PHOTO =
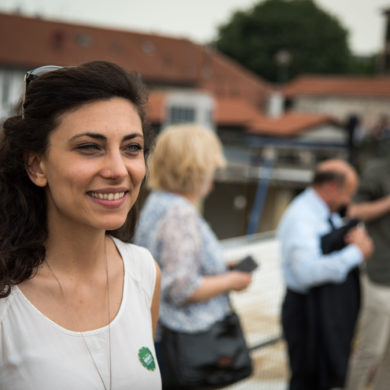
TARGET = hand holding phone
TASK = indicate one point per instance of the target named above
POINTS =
(247, 264)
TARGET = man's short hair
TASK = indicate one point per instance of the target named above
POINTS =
(327, 176)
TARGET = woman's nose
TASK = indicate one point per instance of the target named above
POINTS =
(114, 166)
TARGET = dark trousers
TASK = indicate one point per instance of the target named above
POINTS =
(298, 324)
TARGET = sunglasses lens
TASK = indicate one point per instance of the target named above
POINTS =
(33, 74)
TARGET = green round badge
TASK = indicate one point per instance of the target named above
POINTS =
(146, 358)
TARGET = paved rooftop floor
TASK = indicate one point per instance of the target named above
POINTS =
(259, 308)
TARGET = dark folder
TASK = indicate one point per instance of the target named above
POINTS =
(335, 240)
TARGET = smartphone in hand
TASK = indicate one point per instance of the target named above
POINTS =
(247, 264)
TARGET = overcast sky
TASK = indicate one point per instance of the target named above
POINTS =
(198, 19)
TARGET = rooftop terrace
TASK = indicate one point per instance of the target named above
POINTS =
(259, 308)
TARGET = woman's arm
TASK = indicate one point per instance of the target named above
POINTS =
(212, 286)
(155, 308)
(181, 253)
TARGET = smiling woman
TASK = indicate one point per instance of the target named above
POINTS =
(94, 155)
(71, 167)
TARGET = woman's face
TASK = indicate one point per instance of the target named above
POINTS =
(94, 165)
(208, 184)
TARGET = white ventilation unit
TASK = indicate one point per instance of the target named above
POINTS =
(190, 107)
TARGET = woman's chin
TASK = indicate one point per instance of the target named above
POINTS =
(114, 225)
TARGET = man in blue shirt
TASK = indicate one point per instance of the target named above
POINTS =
(305, 267)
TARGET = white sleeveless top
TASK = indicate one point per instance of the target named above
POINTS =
(36, 353)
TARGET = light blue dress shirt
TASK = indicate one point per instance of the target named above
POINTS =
(299, 232)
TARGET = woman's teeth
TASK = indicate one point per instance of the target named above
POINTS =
(108, 196)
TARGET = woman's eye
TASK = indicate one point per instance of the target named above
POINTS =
(133, 148)
(88, 148)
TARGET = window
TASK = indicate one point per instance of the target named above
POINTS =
(181, 114)
(84, 40)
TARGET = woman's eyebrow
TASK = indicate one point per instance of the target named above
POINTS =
(103, 137)
(88, 134)
(134, 135)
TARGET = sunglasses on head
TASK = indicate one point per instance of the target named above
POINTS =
(33, 74)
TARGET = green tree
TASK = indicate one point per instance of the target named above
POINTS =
(364, 65)
(279, 39)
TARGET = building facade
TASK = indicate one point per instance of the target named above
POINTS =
(270, 152)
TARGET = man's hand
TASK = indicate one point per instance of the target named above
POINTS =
(362, 240)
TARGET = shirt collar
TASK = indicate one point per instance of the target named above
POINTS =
(321, 207)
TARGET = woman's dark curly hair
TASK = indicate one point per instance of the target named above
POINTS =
(23, 221)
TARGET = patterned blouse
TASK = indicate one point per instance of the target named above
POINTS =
(186, 249)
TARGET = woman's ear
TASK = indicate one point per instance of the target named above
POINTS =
(35, 169)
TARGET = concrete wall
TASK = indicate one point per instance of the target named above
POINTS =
(228, 207)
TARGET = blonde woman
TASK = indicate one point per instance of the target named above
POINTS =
(195, 279)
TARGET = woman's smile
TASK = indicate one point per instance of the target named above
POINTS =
(111, 199)
(110, 196)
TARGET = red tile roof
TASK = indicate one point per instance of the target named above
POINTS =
(238, 112)
(235, 112)
(28, 42)
(240, 95)
(229, 111)
(290, 124)
(378, 86)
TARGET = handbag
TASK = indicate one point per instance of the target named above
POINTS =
(218, 356)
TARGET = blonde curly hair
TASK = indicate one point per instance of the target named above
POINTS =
(184, 158)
